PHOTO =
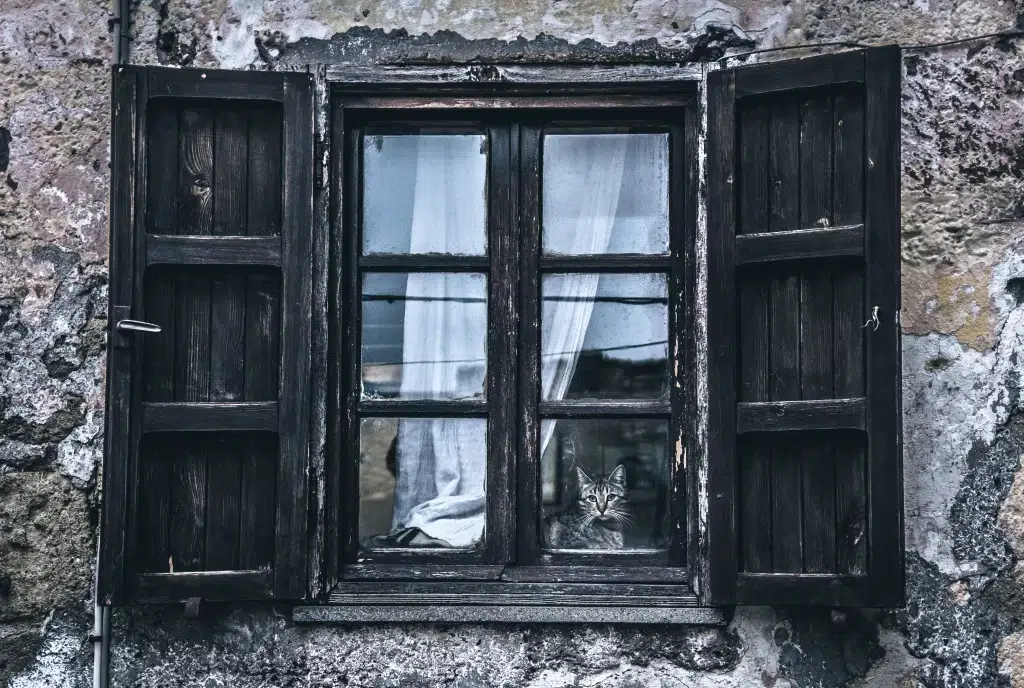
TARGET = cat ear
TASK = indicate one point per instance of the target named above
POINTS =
(618, 475)
(584, 479)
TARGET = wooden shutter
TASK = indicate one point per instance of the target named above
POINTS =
(205, 475)
(804, 461)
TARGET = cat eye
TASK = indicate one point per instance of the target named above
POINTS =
(611, 498)
(592, 498)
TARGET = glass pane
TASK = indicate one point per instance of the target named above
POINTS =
(421, 482)
(604, 483)
(605, 193)
(425, 194)
(424, 335)
(604, 336)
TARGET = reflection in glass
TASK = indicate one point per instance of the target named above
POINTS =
(424, 335)
(424, 194)
(604, 483)
(605, 193)
(421, 482)
(604, 336)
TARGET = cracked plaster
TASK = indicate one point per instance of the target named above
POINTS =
(963, 206)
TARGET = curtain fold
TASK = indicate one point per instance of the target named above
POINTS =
(593, 166)
(441, 463)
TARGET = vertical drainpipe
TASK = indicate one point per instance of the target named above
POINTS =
(122, 20)
(121, 23)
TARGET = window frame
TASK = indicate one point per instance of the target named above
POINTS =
(642, 583)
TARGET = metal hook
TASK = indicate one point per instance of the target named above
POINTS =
(874, 319)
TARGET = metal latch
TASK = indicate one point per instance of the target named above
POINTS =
(137, 326)
(125, 326)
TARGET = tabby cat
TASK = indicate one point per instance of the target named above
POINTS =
(596, 519)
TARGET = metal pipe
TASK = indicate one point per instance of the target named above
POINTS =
(122, 19)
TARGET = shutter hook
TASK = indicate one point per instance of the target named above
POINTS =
(137, 326)
(874, 319)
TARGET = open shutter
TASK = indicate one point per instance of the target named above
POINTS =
(205, 487)
(804, 460)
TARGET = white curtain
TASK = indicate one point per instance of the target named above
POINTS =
(441, 464)
(578, 218)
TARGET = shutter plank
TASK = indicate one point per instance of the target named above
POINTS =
(755, 489)
(784, 174)
(264, 172)
(195, 165)
(192, 383)
(816, 333)
(227, 362)
(756, 460)
(259, 463)
(851, 460)
(156, 460)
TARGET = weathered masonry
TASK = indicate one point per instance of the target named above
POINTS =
(495, 352)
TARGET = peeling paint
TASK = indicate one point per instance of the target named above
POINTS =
(962, 315)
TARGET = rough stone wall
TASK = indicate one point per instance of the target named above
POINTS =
(963, 320)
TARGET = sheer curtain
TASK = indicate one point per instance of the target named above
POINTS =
(591, 168)
(441, 463)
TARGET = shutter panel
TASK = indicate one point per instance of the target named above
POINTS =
(205, 474)
(805, 456)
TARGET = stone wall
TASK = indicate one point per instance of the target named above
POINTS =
(963, 319)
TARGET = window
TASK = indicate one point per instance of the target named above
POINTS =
(517, 281)
(430, 345)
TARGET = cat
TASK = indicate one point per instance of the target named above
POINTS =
(596, 518)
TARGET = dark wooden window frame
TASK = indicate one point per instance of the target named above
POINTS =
(510, 572)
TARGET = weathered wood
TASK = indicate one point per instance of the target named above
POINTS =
(214, 84)
(850, 316)
(422, 572)
(882, 225)
(118, 455)
(800, 244)
(212, 586)
(537, 78)
(227, 362)
(450, 102)
(423, 408)
(259, 462)
(716, 573)
(789, 416)
(788, 75)
(213, 250)
(816, 335)
(424, 263)
(264, 172)
(806, 589)
(755, 460)
(755, 492)
(618, 408)
(296, 291)
(500, 592)
(209, 416)
(502, 349)
(595, 574)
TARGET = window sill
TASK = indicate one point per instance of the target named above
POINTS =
(503, 613)
(457, 602)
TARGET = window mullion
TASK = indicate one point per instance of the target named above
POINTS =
(528, 465)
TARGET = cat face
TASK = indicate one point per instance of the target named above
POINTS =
(604, 498)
